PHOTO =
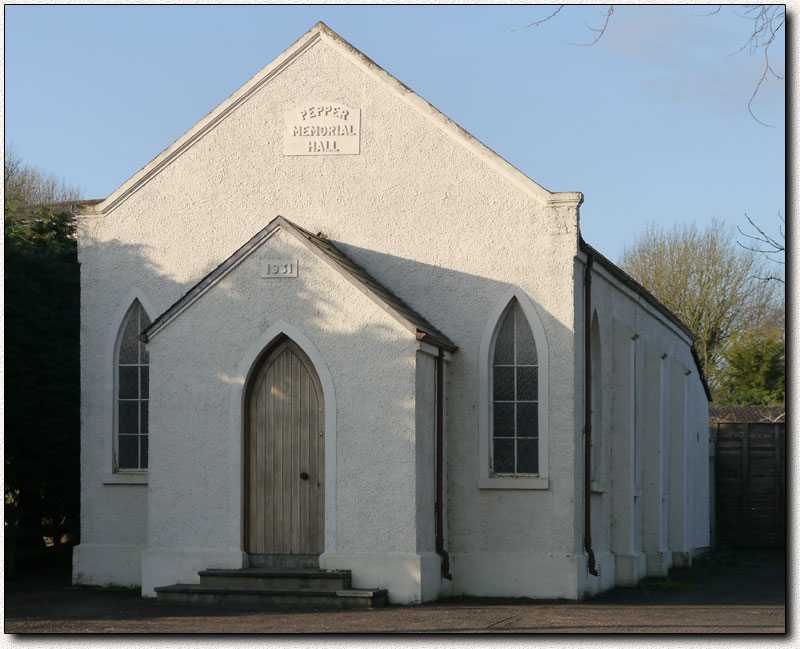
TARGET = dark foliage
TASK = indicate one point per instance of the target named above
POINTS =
(42, 378)
(755, 369)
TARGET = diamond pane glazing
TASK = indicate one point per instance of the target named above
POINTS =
(503, 384)
(128, 451)
(503, 420)
(504, 343)
(526, 348)
(129, 345)
(144, 420)
(527, 383)
(128, 423)
(129, 382)
(145, 377)
(145, 356)
(504, 456)
(144, 447)
(527, 419)
(527, 456)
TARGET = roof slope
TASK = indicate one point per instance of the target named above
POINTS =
(651, 299)
(325, 250)
(318, 32)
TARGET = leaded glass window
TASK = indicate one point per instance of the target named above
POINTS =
(133, 394)
(515, 396)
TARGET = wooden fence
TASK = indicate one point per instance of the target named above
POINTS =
(749, 485)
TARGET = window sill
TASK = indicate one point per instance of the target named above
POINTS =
(125, 478)
(500, 482)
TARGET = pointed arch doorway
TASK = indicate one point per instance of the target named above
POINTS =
(284, 458)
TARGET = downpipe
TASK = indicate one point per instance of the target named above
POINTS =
(439, 505)
(587, 415)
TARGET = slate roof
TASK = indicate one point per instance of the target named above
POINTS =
(747, 414)
(323, 248)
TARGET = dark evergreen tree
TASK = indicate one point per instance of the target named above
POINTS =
(755, 370)
(42, 376)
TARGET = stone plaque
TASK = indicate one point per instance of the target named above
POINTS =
(322, 128)
(277, 268)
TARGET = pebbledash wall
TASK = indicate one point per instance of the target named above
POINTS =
(456, 233)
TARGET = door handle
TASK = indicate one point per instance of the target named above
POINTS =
(303, 475)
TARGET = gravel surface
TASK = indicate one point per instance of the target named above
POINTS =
(723, 593)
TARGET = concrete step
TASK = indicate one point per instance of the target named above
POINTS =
(276, 578)
(283, 560)
(263, 597)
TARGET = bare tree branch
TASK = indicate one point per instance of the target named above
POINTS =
(539, 22)
(709, 283)
(767, 278)
(30, 185)
(13, 162)
(599, 31)
(768, 21)
(710, 13)
(775, 245)
(765, 245)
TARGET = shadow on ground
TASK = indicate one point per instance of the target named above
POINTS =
(720, 578)
(728, 592)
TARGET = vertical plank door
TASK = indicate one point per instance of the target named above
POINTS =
(285, 464)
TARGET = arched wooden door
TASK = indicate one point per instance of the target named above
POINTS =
(285, 455)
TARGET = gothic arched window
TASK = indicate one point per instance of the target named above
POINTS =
(132, 393)
(515, 397)
(513, 380)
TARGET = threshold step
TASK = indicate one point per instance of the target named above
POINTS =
(298, 598)
(276, 578)
(274, 572)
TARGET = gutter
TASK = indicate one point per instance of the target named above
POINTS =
(587, 416)
(439, 505)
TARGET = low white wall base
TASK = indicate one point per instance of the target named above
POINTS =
(629, 568)
(604, 563)
(658, 563)
(107, 565)
(516, 574)
(410, 578)
(167, 566)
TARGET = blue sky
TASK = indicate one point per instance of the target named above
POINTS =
(650, 123)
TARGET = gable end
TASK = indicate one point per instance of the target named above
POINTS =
(356, 275)
(249, 89)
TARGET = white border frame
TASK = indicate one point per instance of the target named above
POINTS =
(236, 429)
(485, 481)
(110, 388)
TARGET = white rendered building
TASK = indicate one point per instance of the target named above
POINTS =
(327, 323)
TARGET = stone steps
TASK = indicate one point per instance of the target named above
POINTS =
(283, 560)
(271, 587)
(276, 578)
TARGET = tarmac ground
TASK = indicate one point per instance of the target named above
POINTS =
(724, 592)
